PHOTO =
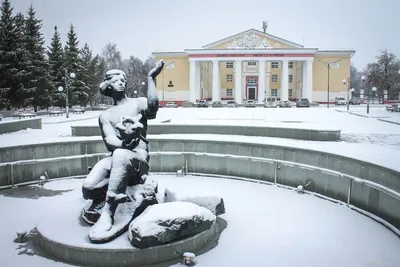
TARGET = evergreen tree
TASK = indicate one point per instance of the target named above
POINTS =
(38, 81)
(73, 63)
(17, 99)
(55, 56)
(90, 72)
(8, 57)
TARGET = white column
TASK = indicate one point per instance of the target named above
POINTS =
(309, 80)
(284, 94)
(304, 80)
(261, 81)
(192, 90)
(216, 85)
(197, 80)
(238, 81)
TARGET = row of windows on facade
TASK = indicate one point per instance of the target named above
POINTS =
(274, 92)
(274, 78)
(274, 65)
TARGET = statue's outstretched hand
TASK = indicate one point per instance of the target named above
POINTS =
(157, 69)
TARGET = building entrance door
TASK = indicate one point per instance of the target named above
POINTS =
(252, 93)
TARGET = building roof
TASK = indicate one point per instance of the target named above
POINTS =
(267, 35)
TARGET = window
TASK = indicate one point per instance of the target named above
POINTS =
(290, 65)
(229, 92)
(335, 65)
(274, 78)
(229, 65)
(290, 92)
(251, 80)
(251, 63)
(170, 66)
(229, 78)
(290, 78)
(274, 65)
(274, 92)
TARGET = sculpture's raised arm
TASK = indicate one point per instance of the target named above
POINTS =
(152, 97)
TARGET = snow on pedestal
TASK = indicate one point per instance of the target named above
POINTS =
(168, 222)
(142, 197)
(212, 202)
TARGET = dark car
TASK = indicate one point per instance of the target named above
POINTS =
(231, 104)
(202, 104)
(250, 103)
(285, 104)
(217, 104)
(354, 101)
(303, 102)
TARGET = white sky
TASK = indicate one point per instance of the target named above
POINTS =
(140, 27)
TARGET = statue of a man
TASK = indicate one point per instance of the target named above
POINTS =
(123, 127)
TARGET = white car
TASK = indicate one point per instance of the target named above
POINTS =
(171, 105)
(271, 102)
(340, 100)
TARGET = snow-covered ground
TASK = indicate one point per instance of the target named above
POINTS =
(366, 138)
(267, 225)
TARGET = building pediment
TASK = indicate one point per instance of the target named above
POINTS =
(252, 39)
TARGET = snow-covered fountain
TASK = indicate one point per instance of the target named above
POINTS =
(124, 219)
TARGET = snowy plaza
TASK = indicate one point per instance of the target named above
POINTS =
(267, 225)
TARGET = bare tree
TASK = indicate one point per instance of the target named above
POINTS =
(384, 74)
(134, 70)
(112, 57)
(355, 78)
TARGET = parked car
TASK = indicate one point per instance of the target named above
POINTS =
(78, 109)
(271, 102)
(339, 100)
(303, 102)
(285, 104)
(250, 103)
(354, 101)
(171, 105)
(231, 104)
(217, 104)
(202, 104)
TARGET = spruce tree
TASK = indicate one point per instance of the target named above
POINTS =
(73, 63)
(18, 98)
(89, 64)
(8, 56)
(37, 81)
(55, 56)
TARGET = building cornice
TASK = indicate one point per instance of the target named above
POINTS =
(300, 51)
(335, 53)
(170, 54)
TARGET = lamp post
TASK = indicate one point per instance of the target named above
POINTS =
(328, 64)
(347, 84)
(60, 89)
(165, 67)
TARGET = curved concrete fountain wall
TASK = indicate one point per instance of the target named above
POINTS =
(21, 124)
(367, 186)
(282, 132)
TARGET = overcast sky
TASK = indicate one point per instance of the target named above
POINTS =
(140, 27)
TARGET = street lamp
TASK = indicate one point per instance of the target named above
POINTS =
(347, 93)
(61, 89)
(328, 64)
(165, 66)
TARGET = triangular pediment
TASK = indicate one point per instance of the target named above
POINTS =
(252, 39)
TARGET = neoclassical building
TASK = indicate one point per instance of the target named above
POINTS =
(253, 65)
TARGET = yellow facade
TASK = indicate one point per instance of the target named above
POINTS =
(174, 83)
